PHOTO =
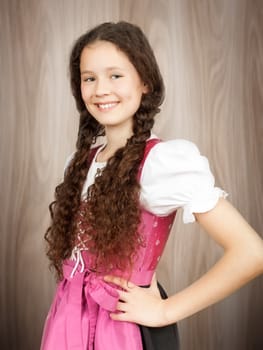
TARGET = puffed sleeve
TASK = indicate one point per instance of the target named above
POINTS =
(175, 175)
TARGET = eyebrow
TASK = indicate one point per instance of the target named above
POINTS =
(107, 69)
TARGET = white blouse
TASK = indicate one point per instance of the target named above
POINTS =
(174, 176)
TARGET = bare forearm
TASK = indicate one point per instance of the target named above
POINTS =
(231, 272)
(241, 262)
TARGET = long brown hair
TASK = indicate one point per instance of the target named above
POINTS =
(113, 200)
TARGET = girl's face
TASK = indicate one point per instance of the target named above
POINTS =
(111, 88)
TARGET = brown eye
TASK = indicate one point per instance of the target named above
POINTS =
(115, 76)
(89, 79)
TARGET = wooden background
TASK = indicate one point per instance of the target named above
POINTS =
(210, 53)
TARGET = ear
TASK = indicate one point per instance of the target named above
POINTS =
(145, 88)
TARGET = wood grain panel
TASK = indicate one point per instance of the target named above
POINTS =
(210, 53)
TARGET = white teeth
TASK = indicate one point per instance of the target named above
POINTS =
(107, 105)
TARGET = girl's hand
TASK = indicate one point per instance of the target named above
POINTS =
(137, 304)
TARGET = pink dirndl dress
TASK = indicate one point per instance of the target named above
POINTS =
(79, 315)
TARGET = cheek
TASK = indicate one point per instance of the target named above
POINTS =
(85, 93)
(127, 93)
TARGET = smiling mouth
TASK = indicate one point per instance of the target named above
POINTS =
(106, 106)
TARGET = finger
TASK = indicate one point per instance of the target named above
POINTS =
(123, 295)
(121, 316)
(119, 281)
(121, 307)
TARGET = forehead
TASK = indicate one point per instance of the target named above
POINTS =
(103, 54)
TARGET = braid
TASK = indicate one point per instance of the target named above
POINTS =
(115, 193)
(113, 207)
(60, 235)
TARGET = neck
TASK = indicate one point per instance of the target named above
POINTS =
(116, 138)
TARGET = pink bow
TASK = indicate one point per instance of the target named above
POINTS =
(88, 324)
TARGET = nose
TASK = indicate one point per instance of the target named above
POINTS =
(103, 87)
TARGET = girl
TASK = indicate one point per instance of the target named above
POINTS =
(113, 211)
